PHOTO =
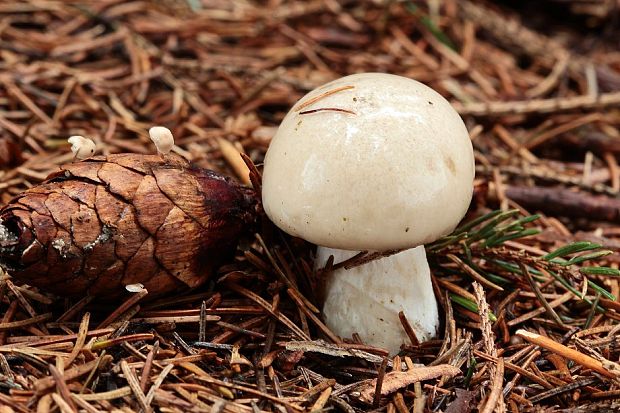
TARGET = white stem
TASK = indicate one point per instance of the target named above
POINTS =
(366, 299)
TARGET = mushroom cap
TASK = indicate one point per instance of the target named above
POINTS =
(162, 138)
(82, 147)
(396, 173)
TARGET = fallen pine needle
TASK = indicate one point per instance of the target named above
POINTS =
(564, 351)
(107, 395)
(494, 399)
(322, 96)
(233, 157)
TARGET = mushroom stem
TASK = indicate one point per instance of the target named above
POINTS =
(367, 299)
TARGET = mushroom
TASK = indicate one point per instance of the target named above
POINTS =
(82, 147)
(372, 162)
(162, 138)
(134, 288)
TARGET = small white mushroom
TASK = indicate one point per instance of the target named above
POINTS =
(82, 147)
(134, 288)
(162, 138)
(372, 162)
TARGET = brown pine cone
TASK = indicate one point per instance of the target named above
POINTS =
(106, 222)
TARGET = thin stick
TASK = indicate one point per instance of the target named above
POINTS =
(46, 383)
(84, 404)
(295, 295)
(321, 400)
(26, 322)
(584, 102)
(76, 308)
(62, 404)
(564, 351)
(236, 162)
(107, 395)
(278, 315)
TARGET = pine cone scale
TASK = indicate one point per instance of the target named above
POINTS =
(152, 206)
(34, 271)
(101, 257)
(178, 258)
(132, 234)
(108, 280)
(33, 253)
(80, 192)
(61, 207)
(189, 200)
(44, 227)
(35, 202)
(85, 170)
(120, 181)
(142, 261)
(85, 227)
(108, 207)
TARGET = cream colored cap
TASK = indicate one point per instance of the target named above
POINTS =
(82, 147)
(382, 163)
(162, 138)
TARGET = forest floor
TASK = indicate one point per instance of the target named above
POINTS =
(530, 303)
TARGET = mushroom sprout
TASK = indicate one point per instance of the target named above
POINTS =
(82, 147)
(162, 138)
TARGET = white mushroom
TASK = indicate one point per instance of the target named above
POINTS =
(134, 288)
(162, 138)
(82, 147)
(373, 162)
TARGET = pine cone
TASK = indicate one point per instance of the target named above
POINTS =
(103, 223)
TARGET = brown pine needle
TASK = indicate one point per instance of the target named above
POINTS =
(322, 96)
(496, 388)
(379, 383)
(134, 385)
(550, 311)
(408, 329)
(566, 352)
(80, 339)
(309, 111)
(473, 273)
